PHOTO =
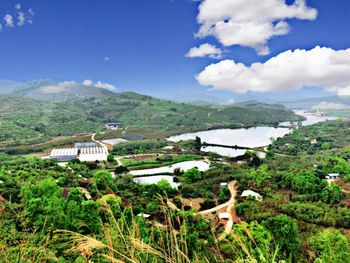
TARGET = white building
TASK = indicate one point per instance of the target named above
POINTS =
(146, 216)
(333, 176)
(64, 155)
(93, 154)
(223, 185)
(224, 215)
(114, 125)
(248, 193)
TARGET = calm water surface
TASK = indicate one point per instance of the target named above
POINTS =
(201, 165)
(252, 137)
(155, 179)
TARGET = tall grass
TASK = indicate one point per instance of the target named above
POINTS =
(123, 240)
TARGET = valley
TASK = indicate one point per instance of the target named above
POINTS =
(164, 180)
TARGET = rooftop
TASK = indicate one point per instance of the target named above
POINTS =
(64, 152)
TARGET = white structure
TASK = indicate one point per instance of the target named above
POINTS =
(64, 155)
(80, 145)
(146, 216)
(248, 193)
(222, 185)
(93, 154)
(224, 215)
(333, 176)
(113, 125)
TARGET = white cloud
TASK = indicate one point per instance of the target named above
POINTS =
(289, 71)
(9, 20)
(106, 58)
(249, 23)
(88, 82)
(99, 84)
(104, 85)
(21, 19)
(205, 50)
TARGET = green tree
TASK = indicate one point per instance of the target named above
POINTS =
(336, 165)
(331, 194)
(285, 232)
(43, 204)
(193, 175)
(104, 181)
(330, 246)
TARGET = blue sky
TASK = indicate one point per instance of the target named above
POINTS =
(140, 45)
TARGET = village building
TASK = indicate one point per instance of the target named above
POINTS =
(114, 125)
(223, 185)
(224, 215)
(93, 154)
(64, 155)
(333, 176)
(247, 193)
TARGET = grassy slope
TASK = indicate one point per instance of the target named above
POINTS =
(27, 120)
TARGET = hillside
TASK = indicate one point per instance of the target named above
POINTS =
(37, 112)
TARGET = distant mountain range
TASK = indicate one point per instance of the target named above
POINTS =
(49, 90)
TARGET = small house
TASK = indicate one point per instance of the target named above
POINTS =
(251, 193)
(333, 176)
(113, 125)
(223, 185)
(224, 215)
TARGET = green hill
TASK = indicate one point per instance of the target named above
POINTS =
(38, 112)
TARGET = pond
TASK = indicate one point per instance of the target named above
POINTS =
(201, 165)
(154, 179)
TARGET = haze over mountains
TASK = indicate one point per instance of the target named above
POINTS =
(307, 99)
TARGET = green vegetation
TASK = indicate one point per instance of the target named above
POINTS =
(81, 213)
(38, 112)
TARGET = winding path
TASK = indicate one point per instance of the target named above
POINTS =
(233, 190)
(230, 209)
(100, 143)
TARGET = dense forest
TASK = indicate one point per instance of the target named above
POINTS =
(82, 213)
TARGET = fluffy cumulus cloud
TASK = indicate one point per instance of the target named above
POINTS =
(289, 71)
(249, 23)
(99, 84)
(205, 50)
